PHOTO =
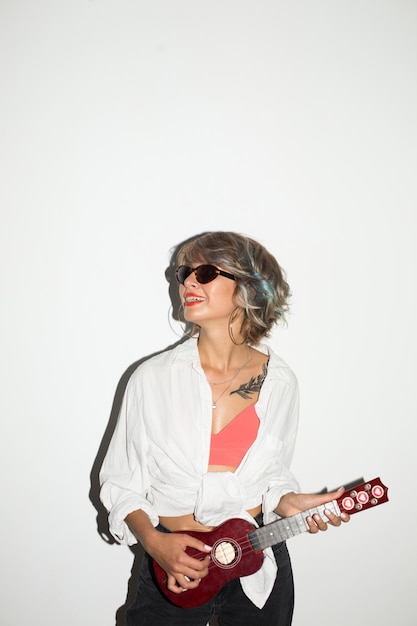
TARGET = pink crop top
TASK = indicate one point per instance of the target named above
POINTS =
(229, 446)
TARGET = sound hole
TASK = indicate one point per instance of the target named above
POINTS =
(226, 553)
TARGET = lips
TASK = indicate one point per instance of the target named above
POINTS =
(191, 299)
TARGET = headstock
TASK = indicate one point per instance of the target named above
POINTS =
(363, 496)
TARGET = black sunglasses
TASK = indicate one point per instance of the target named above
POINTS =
(203, 273)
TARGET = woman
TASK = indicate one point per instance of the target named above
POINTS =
(206, 433)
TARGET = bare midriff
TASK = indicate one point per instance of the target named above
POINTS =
(188, 522)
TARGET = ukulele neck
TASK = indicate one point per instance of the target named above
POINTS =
(285, 528)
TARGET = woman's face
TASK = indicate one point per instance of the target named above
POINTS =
(207, 303)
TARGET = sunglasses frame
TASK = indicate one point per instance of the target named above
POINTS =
(195, 269)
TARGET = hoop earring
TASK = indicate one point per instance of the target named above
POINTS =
(170, 317)
(188, 330)
(232, 318)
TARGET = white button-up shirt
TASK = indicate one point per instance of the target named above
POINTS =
(158, 456)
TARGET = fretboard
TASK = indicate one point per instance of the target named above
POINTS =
(288, 527)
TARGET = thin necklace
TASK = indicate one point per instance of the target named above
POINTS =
(214, 405)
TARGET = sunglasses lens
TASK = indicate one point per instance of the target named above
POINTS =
(206, 273)
(183, 273)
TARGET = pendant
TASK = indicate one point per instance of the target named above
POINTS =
(214, 405)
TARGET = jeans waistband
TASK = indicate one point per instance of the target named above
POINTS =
(259, 519)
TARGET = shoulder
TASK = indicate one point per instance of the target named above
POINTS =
(278, 368)
(161, 362)
(279, 398)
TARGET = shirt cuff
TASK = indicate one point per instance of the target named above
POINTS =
(117, 525)
(271, 499)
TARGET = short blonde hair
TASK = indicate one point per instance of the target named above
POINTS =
(262, 291)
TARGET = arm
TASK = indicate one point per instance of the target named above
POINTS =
(169, 551)
(124, 477)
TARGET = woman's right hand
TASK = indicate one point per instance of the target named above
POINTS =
(169, 551)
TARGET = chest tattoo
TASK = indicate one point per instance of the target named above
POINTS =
(252, 386)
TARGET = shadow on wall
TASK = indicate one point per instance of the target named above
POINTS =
(94, 494)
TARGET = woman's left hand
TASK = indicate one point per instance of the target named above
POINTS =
(293, 503)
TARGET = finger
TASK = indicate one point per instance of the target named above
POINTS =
(189, 583)
(315, 500)
(334, 520)
(313, 524)
(206, 563)
(181, 583)
(320, 522)
(195, 568)
(173, 585)
(196, 544)
(332, 495)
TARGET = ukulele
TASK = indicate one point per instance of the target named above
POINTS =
(237, 545)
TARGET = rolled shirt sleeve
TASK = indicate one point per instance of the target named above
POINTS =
(124, 477)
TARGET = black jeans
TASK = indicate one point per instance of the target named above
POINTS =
(230, 604)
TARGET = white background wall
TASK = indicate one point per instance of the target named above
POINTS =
(130, 126)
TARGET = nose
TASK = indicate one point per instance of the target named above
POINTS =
(191, 279)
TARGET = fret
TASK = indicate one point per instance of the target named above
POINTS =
(301, 521)
(292, 526)
(316, 510)
(266, 536)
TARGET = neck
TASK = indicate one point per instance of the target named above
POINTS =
(221, 355)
